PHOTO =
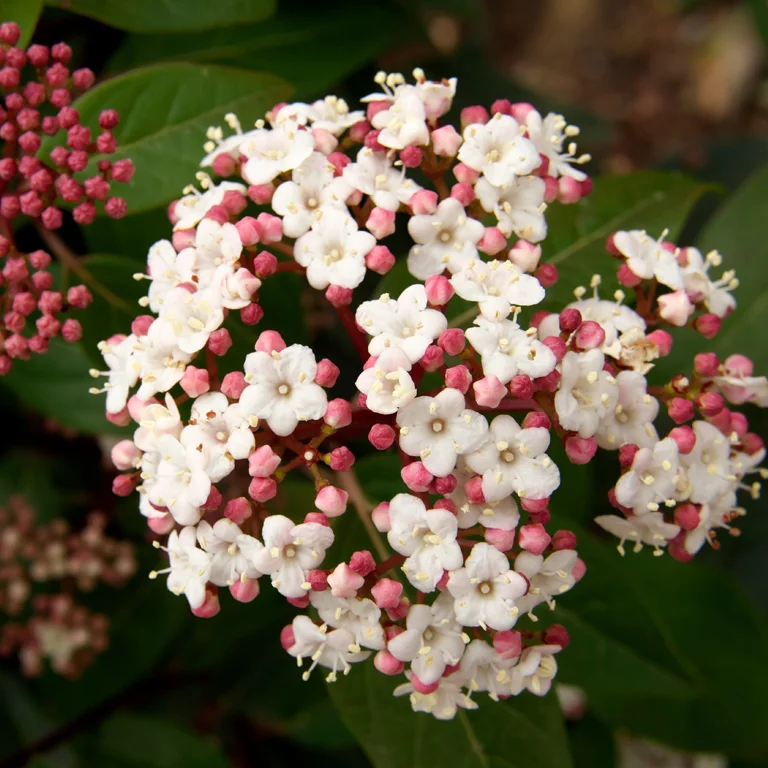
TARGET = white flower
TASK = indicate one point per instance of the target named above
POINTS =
(631, 421)
(231, 551)
(161, 361)
(405, 322)
(437, 96)
(166, 272)
(503, 514)
(270, 153)
(648, 528)
(218, 144)
(290, 552)
(535, 670)
(188, 319)
(235, 288)
(426, 537)
(439, 429)
(360, 617)
(157, 420)
(715, 295)
(708, 465)
(586, 392)
(191, 208)
(432, 640)
(652, 478)
(647, 258)
(387, 384)
(181, 484)
(329, 114)
(548, 577)
(485, 589)
(334, 251)
(506, 350)
(498, 150)
(404, 123)
(189, 567)
(549, 135)
(124, 366)
(739, 389)
(519, 206)
(485, 670)
(216, 244)
(446, 239)
(442, 704)
(281, 388)
(496, 286)
(219, 430)
(312, 191)
(328, 649)
(514, 459)
(374, 175)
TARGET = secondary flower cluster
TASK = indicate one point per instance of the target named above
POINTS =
(472, 548)
(37, 187)
(55, 628)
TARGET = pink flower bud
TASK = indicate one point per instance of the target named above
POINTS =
(362, 562)
(38, 344)
(569, 190)
(125, 454)
(327, 373)
(341, 459)
(423, 688)
(218, 213)
(534, 505)
(675, 308)
(556, 634)
(752, 443)
(472, 115)
(195, 381)
(502, 540)
(627, 454)
(271, 228)
(374, 107)
(423, 202)
(338, 296)
(317, 517)
(318, 580)
(381, 223)
(564, 540)
(548, 383)
(248, 229)
(739, 423)
(463, 192)
(579, 570)
(492, 241)
(533, 538)
(287, 638)
(687, 516)
(325, 141)
(416, 476)
(473, 489)
(344, 582)
(234, 202)
(262, 489)
(387, 664)
(244, 591)
(521, 387)
(371, 141)
(452, 341)
(525, 255)
(381, 436)
(331, 501)
(10, 32)
(557, 346)
(210, 606)
(580, 450)
(459, 378)
(739, 365)
(439, 290)
(589, 335)
(386, 593)
(446, 504)
(489, 391)
(465, 174)
(685, 438)
(508, 644)
(662, 340)
(380, 259)
(224, 165)
(627, 277)
(238, 510)
(677, 549)
(446, 141)
(263, 462)
(432, 359)
(551, 188)
(48, 326)
(536, 419)
(380, 517)
(79, 296)
(710, 403)
(161, 525)
(123, 171)
(124, 485)
(411, 156)
(298, 602)
(570, 320)
(220, 342)
(261, 194)
(547, 275)
(233, 385)
(213, 502)
(269, 342)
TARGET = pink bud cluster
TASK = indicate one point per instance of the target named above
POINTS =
(52, 626)
(470, 411)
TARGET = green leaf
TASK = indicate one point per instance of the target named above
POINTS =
(313, 49)
(56, 385)
(521, 732)
(165, 111)
(25, 13)
(170, 15)
(759, 10)
(591, 743)
(147, 742)
(575, 244)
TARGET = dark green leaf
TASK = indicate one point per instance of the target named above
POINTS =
(147, 742)
(591, 743)
(25, 13)
(313, 49)
(166, 110)
(56, 384)
(522, 732)
(760, 15)
(170, 15)
(130, 237)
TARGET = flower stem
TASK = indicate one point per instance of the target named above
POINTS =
(349, 482)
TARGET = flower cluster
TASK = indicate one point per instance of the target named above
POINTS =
(33, 555)
(472, 412)
(37, 187)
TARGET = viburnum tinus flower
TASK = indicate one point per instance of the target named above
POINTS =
(473, 401)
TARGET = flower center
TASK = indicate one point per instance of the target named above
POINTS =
(312, 202)
(334, 255)
(445, 236)
(284, 390)
(438, 425)
(289, 551)
(485, 588)
(428, 634)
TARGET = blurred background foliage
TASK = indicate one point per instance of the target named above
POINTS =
(672, 99)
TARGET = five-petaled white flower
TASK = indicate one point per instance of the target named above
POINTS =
(631, 421)
(647, 258)
(404, 123)
(269, 153)
(649, 528)
(188, 567)
(359, 616)
(386, 383)
(231, 551)
(652, 479)
(519, 206)
(374, 175)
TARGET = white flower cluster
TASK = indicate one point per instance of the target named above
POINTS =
(471, 535)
